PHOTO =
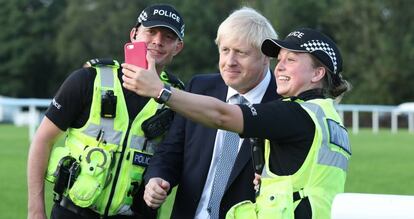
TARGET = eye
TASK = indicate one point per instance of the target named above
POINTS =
(150, 31)
(291, 58)
(170, 37)
(224, 50)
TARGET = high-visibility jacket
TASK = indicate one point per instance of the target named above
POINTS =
(320, 178)
(111, 153)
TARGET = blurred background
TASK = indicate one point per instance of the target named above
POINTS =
(42, 41)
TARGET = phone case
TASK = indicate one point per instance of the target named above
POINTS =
(136, 54)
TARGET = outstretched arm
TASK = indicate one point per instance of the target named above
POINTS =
(206, 110)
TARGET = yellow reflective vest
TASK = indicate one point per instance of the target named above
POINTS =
(111, 153)
(320, 178)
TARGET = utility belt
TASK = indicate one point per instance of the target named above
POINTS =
(83, 212)
(67, 204)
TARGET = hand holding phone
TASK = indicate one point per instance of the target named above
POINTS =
(136, 54)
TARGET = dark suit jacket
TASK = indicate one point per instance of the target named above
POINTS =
(184, 156)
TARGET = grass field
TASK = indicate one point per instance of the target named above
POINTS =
(381, 163)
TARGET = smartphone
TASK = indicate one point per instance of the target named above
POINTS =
(136, 54)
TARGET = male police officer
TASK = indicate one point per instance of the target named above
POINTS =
(109, 131)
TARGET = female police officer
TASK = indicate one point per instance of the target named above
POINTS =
(307, 151)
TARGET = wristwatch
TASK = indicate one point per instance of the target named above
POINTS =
(164, 94)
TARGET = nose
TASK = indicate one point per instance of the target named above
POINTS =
(157, 38)
(231, 59)
(280, 66)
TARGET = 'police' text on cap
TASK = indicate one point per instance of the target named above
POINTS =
(162, 15)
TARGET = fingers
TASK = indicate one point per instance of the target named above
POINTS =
(129, 77)
(256, 182)
(128, 70)
(142, 81)
(151, 62)
(165, 185)
(156, 192)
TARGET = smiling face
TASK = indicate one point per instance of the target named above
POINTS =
(241, 65)
(162, 43)
(295, 73)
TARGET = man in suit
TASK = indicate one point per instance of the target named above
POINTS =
(190, 154)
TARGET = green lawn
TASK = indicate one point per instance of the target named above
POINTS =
(380, 163)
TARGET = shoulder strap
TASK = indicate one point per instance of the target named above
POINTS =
(101, 61)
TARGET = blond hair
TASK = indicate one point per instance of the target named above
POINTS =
(247, 24)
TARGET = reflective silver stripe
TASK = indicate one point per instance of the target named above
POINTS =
(264, 170)
(110, 136)
(339, 135)
(107, 76)
(326, 155)
(107, 125)
(137, 143)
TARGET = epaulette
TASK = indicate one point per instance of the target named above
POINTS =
(101, 61)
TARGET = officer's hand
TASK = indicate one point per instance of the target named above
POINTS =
(256, 182)
(156, 192)
(144, 82)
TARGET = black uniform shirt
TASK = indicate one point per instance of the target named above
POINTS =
(72, 103)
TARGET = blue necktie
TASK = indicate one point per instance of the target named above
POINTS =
(225, 164)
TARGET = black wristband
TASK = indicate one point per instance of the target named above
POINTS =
(164, 94)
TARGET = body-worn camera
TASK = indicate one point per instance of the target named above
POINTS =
(158, 124)
(108, 104)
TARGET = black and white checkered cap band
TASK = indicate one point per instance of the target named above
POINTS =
(182, 30)
(316, 45)
(142, 17)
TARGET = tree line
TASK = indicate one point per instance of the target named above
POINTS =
(42, 41)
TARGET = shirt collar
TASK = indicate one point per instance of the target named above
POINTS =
(256, 94)
(309, 95)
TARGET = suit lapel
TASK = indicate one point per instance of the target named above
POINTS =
(219, 91)
(244, 154)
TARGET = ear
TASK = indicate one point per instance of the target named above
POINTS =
(318, 74)
(133, 34)
(178, 47)
(266, 60)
